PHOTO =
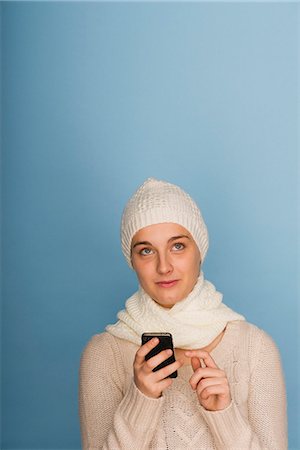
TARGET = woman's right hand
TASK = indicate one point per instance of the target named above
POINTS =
(150, 383)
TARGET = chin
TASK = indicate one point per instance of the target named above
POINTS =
(167, 302)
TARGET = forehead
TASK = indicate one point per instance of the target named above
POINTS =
(160, 232)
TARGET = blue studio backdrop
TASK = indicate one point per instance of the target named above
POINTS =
(96, 97)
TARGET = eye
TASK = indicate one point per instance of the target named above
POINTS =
(178, 246)
(146, 251)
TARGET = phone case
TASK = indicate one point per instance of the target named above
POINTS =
(165, 342)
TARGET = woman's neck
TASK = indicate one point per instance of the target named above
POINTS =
(179, 352)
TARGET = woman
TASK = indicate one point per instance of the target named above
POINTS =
(229, 393)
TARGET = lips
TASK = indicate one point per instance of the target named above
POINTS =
(167, 284)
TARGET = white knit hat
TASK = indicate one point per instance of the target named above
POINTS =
(160, 202)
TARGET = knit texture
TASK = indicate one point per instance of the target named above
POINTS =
(115, 415)
(194, 322)
(160, 202)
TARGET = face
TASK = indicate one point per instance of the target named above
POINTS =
(167, 262)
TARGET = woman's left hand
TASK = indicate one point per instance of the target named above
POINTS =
(210, 382)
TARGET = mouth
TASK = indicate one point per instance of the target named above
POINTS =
(167, 284)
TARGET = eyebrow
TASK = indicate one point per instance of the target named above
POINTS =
(173, 238)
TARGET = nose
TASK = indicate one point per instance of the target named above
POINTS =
(164, 264)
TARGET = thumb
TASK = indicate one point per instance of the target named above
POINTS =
(195, 363)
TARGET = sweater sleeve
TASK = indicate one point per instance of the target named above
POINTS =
(112, 416)
(266, 425)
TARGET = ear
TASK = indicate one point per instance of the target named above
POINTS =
(131, 260)
(200, 262)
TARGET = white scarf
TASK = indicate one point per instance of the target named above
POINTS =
(194, 322)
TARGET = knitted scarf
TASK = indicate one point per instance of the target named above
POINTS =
(194, 322)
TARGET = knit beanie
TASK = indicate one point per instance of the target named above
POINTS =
(156, 202)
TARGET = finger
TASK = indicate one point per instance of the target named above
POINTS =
(157, 359)
(164, 384)
(145, 349)
(196, 363)
(202, 354)
(203, 373)
(208, 382)
(219, 389)
(166, 371)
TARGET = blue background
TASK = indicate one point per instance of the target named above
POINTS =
(96, 97)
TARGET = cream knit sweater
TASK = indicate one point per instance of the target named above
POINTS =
(114, 414)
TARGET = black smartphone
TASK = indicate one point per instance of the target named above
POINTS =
(165, 342)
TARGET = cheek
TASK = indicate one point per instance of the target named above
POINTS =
(193, 266)
(143, 272)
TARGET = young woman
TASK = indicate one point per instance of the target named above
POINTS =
(229, 393)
